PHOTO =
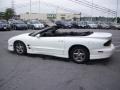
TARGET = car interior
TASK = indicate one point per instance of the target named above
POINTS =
(56, 33)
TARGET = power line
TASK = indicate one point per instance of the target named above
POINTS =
(51, 5)
(117, 11)
(95, 6)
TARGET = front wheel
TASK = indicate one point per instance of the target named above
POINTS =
(79, 54)
(20, 48)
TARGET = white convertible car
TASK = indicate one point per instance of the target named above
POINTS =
(78, 46)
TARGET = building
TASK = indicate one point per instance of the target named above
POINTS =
(50, 16)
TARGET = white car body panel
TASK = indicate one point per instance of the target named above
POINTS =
(46, 45)
(59, 46)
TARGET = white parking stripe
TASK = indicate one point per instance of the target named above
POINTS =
(117, 46)
(115, 37)
(117, 51)
(116, 42)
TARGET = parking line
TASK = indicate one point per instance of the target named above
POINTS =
(117, 51)
(115, 37)
(117, 46)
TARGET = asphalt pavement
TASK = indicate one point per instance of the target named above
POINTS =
(39, 72)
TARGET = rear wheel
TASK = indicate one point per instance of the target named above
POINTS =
(15, 28)
(79, 54)
(20, 48)
(33, 28)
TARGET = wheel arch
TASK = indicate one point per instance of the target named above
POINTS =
(18, 41)
(78, 45)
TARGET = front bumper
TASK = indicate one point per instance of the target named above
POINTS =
(21, 28)
(4, 28)
(10, 47)
(102, 53)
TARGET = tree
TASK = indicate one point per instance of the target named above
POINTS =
(9, 13)
(2, 15)
(118, 19)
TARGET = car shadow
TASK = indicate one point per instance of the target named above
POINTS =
(104, 62)
(91, 62)
(5, 30)
(53, 58)
(47, 57)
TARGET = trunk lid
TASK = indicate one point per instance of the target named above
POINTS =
(100, 35)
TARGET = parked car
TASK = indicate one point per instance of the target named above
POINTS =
(50, 23)
(80, 24)
(18, 25)
(4, 26)
(35, 24)
(103, 26)
(78, 46)
(64, 24)
(92, 25)
(115, 26)
(44, 23)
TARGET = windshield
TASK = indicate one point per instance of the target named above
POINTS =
(91, 22)
(82, 23)
(35, 22)
(44, 30)
(19, 22)
(3, 22)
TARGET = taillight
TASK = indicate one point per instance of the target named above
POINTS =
(108, 43)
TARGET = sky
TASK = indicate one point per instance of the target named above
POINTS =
(51, 6)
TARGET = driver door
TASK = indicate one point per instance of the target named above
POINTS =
(48, 45)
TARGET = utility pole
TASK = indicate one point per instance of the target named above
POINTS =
(57, 8)
(12, 4)
(39, 6)
(30, 6)
(117, 11)
(30, 11)
(92, 12)
(107, 16)
(13, 7)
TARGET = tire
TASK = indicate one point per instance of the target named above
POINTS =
(20, 48)
(15, 28)
(33, 28)
(79, 54)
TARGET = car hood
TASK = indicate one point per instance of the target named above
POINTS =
(117, 26)
(92, 24)
(104, 25)
(37, 24)
(21, 25)
(4, 24)
(20, 37)
(100, 35)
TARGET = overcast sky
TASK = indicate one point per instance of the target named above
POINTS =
(22, 6)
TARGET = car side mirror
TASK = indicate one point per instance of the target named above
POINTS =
(38, 35)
